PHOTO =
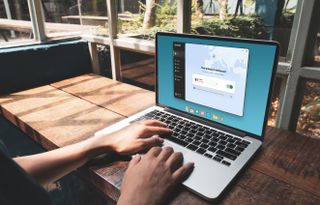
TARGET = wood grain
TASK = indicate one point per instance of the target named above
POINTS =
(118, 97)
(55, 118)
(291, 158)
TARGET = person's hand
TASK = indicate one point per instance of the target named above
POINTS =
(150, 179)
(134, 138)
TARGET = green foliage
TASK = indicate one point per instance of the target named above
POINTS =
(165, 21)
(249, 26)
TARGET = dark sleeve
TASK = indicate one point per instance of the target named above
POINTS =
(3, 148)
(16, 186)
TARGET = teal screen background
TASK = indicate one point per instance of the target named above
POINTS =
(259, 74)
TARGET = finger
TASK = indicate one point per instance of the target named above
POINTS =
(175, 161)
(135, 160)
(165, 153)
(154, 152)
(155, 140)
(154, 123)
(183, 172)
(150, 131)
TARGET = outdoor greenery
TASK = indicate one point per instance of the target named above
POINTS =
(247, 26)
(165, 21)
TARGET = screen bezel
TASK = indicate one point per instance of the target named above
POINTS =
(252, 41)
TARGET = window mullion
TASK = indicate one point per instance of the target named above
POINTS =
(37, 20)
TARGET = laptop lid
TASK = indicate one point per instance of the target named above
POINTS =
(222, 80)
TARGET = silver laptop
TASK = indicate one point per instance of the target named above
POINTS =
(214, 94)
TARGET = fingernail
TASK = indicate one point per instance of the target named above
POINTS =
(161, 140)
(136, 155)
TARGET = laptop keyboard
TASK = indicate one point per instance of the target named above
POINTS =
(211, 143)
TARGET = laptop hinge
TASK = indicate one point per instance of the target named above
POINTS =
(206, 122)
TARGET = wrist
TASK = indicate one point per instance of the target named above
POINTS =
(97, 145)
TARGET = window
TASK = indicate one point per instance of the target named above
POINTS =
(316, 50)
(257, 19)
(15, 24)
(142, 19)
(75, 17)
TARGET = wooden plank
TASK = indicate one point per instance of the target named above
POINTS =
(291, 158)
(118, 97)
(54, 118)
(251, 187)
(26, 26)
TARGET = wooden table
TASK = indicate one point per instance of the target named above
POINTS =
(286, 171)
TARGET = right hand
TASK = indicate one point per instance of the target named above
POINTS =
(150, 179)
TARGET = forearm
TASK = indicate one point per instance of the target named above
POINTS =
(50, 166)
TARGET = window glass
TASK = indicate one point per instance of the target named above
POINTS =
(74, 17)
(15, 25)
(316, 50)
(309, 118)
(259, 19)
(142, 19)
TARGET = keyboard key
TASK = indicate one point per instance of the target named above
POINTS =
(196, 142)
(206, 132)
(217, 159)
(197, 138)
(212, 149)
(192, 147)
(227, 155)
(233, 152)
(215, 139)
(204, 140)
(188, 139)
(241, 144)
(213, 144)
(190, 134)
(240, 149)
(205, 146)
(221, 147)
(201, 150)
(178, 141)
(226, 163)
(208, 155)
(182, 137)
(231, 140)
(230, 145)
(223, 142)
(223, 137)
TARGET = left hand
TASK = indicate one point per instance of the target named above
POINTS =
(136, 137)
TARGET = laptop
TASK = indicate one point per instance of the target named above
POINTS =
(214, 94)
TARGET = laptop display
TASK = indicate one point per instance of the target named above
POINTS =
(222, 80)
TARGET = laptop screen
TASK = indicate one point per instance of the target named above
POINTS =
(222, 80)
